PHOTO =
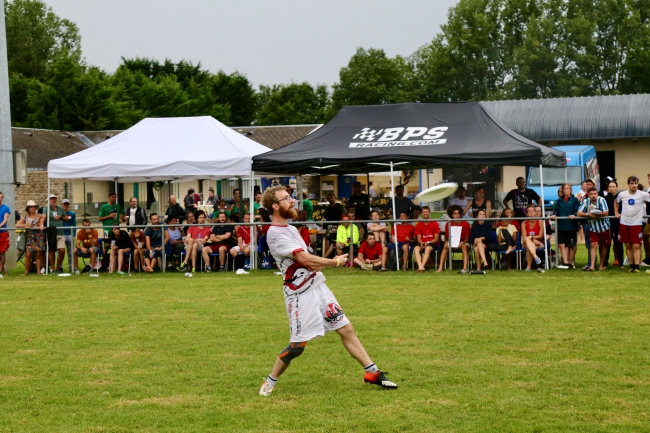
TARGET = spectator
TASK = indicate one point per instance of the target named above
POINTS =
(566, 206)
(417, 211)
(334, 211)
(4, 234)
(212, 199)
(154, 240)
(352, 214)
(521, 197)
(220, 208)
(549, 229)
(479, 202)
(109, 213)
(234, 208)
(428, 236)
(455, 212)
(244, 239)
(86, 245)
(507, 235)
(371, 190)
(631, 216)
(54, 234)
(595, 208)
(371, 255)
(304, 230)
(495, 222)
(70, 233)
(265, 217)
(33, 223)
(532, 238)
(462, 200)
(197, 238)
(175, 210)
(509, 213)
(189, 203)
(378, 228)
(346, 234)
(480, 236)
(120, 245)
(257, 204)
(135, 215)
(582, 196)
(646, 231)
(617, 247)
(139, 241)
(360, 201)
(191, 219)
(403, 240)
(307, 205)
(402, 204)
(219, 242)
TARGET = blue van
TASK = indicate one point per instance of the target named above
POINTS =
(581, 164)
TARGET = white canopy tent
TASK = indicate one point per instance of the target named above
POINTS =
(165, 149)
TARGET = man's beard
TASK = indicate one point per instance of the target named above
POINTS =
(289, 214)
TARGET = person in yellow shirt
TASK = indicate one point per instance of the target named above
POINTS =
(346, 233)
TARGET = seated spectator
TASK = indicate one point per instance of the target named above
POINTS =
(243, 239)
(461, 200)
(174, 209)
(139, 241)
(304, 230)
(455, 212)
(378, 227)
(532, 238)
(479, 202)
(265, 217)
(509, 213)
(416, 212)
(191, 219)
(506, 238)
(549, 229)
(371, 255)
(197, 238)
(120, 244)
(495, 222)
(175, 237)
(403, 241)
(480, 236)
(221, 208)
(346, 234)
(220, 239)
(154, 244)
(354, 217)
(257, 204)
(86, 245)
(428, 236)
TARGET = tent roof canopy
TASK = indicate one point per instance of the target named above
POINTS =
(412, 136)
(177, 148)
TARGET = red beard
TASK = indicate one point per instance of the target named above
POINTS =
(290, 213)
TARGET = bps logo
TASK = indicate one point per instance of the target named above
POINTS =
(395, 137)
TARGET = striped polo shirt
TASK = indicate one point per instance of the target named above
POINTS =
(598, 225)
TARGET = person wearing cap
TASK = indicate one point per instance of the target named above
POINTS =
(69, 233)
(109, 213)
(212, 199)
(346, 234)
(54, 217)
(4, 233)
(34, 225)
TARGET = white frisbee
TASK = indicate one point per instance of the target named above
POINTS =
(437, 192)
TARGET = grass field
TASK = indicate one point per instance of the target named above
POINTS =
(507, 352)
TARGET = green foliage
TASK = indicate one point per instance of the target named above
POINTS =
(235, 91)
(293, 104)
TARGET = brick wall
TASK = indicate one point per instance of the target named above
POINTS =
(36, 189)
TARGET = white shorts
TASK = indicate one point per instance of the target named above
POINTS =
(238, 250)
(313, 313)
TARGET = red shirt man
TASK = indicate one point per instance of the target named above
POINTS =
(427, 231)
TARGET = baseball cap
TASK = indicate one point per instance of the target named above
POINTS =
(52, 195)
(345, 218)
(211, 189)
(65, 201)
(590, 180)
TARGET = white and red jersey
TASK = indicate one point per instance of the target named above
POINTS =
(284, 242)
(245, 234)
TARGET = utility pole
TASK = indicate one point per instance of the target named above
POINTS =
(6, 149)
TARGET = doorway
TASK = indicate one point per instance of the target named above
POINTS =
(607, 166)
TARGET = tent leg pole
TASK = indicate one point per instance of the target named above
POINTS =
(541, 181)
(240, 185)
(392, 186)
(47, 244)
(85, 199)
(251, 227)
(557, 246)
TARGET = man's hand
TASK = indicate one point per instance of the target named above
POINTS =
(618, 215)
(572, 217)
(113, 215)
(84, 250)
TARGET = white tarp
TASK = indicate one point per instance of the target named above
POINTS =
(177, 149)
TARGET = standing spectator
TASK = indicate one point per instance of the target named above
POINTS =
(646, 232)
(595, 208)
(244, 239)
(403, 241)
(371, 255)
(415, 213)
(109, 213)
(479, 202)
(480, 236)
(346, 234)
(212, 199)
(33, 223)
(135, 215)
(220, 238)
(221, 207)
(617, 247)
(234, 208)
(154, 239)
(70, 233)
(532, 238)
(307, 205)
(86, 245)
(378, 228)
(54, 233)
(428, 236)
(462, 200)
(360, 201)
(120, 245)
(371, 190)
(257, 204)
(334, 211)
(521, 198)
(139, 241)
(4, 234)
(402, 204)
(566, 206)
(631, 216)
(190, 204)
(175, 210)
(197, 237)
(582, 197)
(455, 213)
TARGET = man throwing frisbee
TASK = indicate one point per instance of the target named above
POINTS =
(311, 306)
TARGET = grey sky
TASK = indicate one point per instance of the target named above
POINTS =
(271, 42)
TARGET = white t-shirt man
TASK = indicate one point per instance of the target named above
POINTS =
(132, 216)
(311, 307)
(633, 207)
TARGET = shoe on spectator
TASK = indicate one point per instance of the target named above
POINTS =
(208, 269)
(76, 271)
(193, 270)
(120, 273)
(379, 378)
(383, 270)
(541, 270)
(634, 271)
(366, 267)
(182, 267)
(615, 263)
(222, 269)
(644, 264)
(626, 261)
(538, 260)
(585, 267)
(266, 389)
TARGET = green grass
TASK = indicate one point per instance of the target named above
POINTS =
(508, 351)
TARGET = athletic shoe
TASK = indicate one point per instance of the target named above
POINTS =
(615, 263)
(120, 273)
(564, 267)
(367, 267)
(76, 271)
(267, 389)
(376, 378)
(541, 270)
(383, 270)
(193, 270)
(538, 261)
(644, 264)
(586, 267)
(634, 271)
(182, 267)
(208, 269)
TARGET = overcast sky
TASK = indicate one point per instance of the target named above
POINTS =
(271, 42)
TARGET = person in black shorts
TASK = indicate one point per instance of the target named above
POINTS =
(567, 206)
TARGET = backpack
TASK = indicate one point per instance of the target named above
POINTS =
(267, 263)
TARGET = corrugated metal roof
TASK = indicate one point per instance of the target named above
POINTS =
(594, 117)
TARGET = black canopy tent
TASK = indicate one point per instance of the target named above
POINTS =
(411, 135)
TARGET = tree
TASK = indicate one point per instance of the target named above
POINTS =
(292, 104)
(237, 93)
